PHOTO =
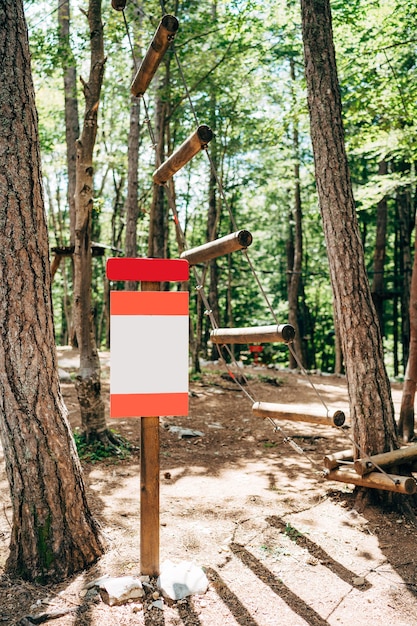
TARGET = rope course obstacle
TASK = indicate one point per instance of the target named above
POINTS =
(366, 471)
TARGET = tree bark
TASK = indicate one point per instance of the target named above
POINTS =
(88, 383)
(371, 407)
(53, 531)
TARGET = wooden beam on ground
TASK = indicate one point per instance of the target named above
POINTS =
(213, 249)
(283, 333)
(182, 155)
(331, 461)
(375, 480)
(293, 413)
(386, 459)
(164, 35)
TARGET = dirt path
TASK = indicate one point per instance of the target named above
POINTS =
(279, 544)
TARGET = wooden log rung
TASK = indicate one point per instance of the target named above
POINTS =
(164, 35)
(182, 155)
(400, 456)
(293, 413)
(283, 333)
(213, 249)
(375, 480)
(332, 461)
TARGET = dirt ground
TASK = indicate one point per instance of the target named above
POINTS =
(279, 543)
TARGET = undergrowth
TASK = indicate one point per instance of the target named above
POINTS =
(95, 451)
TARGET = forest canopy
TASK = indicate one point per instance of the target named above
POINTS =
(238, 67)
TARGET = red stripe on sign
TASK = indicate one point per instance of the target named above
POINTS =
(150, 270)
(149, 303)
(148, 404)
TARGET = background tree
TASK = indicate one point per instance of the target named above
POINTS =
(371, 406)
(53, 531)
(88, 384)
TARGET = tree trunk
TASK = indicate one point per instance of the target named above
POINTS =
(295, 264)
(132, 197)
(406, 422)
(379, 254)
(72, 128)
(371, 407)
(88, 383)
(53, 532)
(157, 243)
(405, 224)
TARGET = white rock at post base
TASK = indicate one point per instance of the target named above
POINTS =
(182, 580)
(120, 590)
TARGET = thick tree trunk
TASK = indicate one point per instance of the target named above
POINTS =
(88, 381)
(371, 405)
(53, 532)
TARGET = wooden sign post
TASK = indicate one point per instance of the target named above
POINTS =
(149, 371)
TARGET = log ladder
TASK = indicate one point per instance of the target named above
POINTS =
(363, 473)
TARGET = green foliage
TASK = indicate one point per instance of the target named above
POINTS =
(243, 66)
(96, 451)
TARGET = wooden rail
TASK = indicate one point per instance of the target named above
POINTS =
(182, 155)
(283, 333)
(386, 459)
(213, 249)
(332, 461)
(375, 480)
(296, 414)
(164, 35)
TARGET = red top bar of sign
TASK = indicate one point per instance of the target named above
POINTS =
(150, 270)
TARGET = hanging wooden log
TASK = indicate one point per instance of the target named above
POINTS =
(164, 35)
(296, 413)
(118, 5)
(284, 333)
(375, 480)
(331, 461)
(213, 249)
(386, 459)
(191, 146)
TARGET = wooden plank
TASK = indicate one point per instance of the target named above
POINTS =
(386, 459)
(213, 249)
(283, 333)
(375, 480)
(182, 155)
(296, 413)
(163, 37)
(331, 461)
(144, 269)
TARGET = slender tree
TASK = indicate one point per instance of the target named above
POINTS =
(371, 405)
(88, 383)
(53, 531)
